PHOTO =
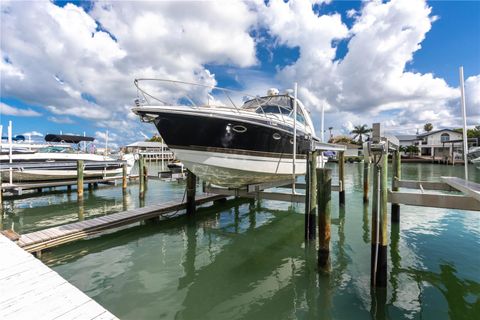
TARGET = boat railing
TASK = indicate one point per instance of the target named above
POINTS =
(145, 96)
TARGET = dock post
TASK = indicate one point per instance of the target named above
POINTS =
(80, 178)
(311, 197)
(324, 196)
(69, 189)
(396, 164)
(366, 177)
(341, 178)
(191, 186)
(378, 275)
(141, 177)
(124, 176)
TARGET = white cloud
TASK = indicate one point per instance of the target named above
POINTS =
(33, 134)
(82, 64)
(372, 80)
(64, 60)
(5, 109)
(64, 120)
(472, 97)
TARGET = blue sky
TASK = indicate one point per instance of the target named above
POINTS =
(73, 69)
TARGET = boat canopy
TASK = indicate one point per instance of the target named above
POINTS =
(279, 104)
(67, 138)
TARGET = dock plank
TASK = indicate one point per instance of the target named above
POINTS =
(58, 235)
(31, 290)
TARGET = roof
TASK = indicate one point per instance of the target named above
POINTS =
(146, 144)
(66, 138)
(405, 137)
(436, 131)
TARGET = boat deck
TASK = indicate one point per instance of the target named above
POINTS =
(31, 290)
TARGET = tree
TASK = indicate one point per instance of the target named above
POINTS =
(340, 139)
(155, 138)
(411, 150)
(428, 127)
(360, 131)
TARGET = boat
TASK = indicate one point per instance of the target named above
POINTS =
(59, 161)
(474, 155)
(232, 146)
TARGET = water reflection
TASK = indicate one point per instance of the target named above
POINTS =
(246, 260)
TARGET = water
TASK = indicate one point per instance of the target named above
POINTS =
(244, 261)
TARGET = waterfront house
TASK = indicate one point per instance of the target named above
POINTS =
(150, 150)
(434, 143)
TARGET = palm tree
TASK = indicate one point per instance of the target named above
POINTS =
(359, 131)
(428, 127)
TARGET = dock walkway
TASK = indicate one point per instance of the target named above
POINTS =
(31, 290)
(51, 237)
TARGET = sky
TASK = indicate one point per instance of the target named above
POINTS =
(69, 66)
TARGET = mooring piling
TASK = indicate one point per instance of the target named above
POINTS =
(324, 192)
(191, 190)
(341, 177)
(366, 176)
(311, 196)
(124, 176)
(378, 275)
(397, 171)
(141, 177)
(80, 178)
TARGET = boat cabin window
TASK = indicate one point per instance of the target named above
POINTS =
(274, 105)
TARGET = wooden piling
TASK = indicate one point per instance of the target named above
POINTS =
(124, 176)
(191, 189)
(366, 177)
(397, 167)
(378, 275)
(80, 178)
(311, 197)
(341, 177)
(141, 177)
(69, 189)
(324, 191)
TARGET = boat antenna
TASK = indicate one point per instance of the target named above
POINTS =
(464, 114)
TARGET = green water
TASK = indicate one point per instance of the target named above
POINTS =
(240, 260)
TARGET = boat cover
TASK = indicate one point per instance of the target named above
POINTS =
(66, 138)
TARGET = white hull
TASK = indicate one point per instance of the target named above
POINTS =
(46, 156)
(45, 175)
(235, 170)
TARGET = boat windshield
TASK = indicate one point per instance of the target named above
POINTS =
(274, 105)
(56, 150)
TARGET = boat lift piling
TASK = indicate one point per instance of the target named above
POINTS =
(366, 176)
(324, 195)
(141, 177)
(397, 171)
(341, 177)
(80, 167)
(311, 196)
(191, 190)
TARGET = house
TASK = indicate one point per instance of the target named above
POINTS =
(432, 144)
(435, 143)
(150, 150)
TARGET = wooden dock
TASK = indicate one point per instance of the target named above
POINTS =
(31, 290)
(51, 237)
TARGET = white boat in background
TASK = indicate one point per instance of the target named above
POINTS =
(474, 155)
(33, 165)
(232, 146)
